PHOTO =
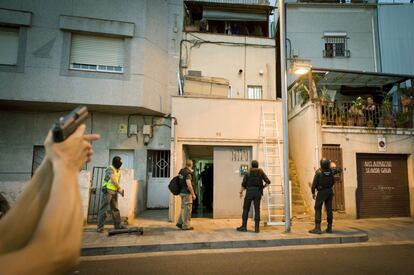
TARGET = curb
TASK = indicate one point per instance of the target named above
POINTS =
(116, 250)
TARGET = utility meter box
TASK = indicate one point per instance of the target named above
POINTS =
(147, 130)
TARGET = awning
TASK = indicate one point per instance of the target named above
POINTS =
(337, 78)
(212, 14)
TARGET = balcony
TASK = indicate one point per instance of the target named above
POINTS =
(372, 116)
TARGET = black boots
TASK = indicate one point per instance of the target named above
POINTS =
(329, 228)
(242, 229)
(256, 227)
(317, 229)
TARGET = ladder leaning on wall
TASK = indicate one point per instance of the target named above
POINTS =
(269, 133)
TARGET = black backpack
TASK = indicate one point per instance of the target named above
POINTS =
(175, 186)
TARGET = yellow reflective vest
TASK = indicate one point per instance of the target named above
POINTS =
(108, 181)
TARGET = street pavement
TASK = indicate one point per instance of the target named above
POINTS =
(347, 259)
(160, 235)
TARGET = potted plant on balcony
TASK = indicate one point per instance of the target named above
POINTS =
(403, 118)
(303, 93)
(356, 113)
(406, 96)
(386, 109)
(340, 117)
(324, 97)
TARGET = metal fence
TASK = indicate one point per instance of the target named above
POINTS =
(343, 114)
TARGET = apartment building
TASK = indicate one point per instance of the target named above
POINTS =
(119, 59)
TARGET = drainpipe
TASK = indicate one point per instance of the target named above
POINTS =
(174, 122)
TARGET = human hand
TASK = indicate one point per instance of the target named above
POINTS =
(332, 165)
(313, 196)
(194, 197)
(73, 152)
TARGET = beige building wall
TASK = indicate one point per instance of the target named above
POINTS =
(218, 60)
(218, 122)
(355, 141)
(306, 138)
(304, 147)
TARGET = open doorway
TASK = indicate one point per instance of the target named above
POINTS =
(203, 176)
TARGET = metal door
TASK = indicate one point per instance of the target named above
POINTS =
(158, 164)
(382, 186)
(334, 153)
(227, 180)
(95, 195)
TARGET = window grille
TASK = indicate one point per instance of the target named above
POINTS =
(335, 46)
(159, 163)
(254, 92)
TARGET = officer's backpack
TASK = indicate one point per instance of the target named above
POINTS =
(175, 186)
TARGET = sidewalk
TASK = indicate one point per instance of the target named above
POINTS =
(160, 235)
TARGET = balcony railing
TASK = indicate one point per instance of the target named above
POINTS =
(372, 116)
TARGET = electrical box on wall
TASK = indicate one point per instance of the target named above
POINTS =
(147, 130)
(122, 128)
(133, 129)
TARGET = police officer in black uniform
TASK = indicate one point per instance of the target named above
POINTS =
(323, 181)
(253, 183)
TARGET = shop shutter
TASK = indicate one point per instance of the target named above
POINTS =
(382, 186)
(97, 50)
(9, 45)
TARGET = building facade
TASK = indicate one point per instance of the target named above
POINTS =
(228, 77)
(396, 42)
(118, 58)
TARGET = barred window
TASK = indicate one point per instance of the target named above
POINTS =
(335, 45)
(254, 92)
(159, 163)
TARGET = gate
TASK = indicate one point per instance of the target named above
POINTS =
(158, 172)
(334, 153)
(95, 195)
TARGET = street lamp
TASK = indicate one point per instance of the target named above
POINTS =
(300, 68)
(283, 86)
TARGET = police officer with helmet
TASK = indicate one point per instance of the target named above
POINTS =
(323, 181)
(253, 183)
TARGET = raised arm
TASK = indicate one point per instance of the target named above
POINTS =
(23, 218)
(55, 244)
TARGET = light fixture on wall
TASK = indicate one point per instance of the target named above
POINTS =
(300, 67)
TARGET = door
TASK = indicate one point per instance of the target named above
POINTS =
(382, 186)
(227, 180)
(334, 153)
(158, 171)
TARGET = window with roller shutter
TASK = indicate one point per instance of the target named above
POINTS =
(97, 53)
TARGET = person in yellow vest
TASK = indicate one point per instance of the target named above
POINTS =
(110, 190)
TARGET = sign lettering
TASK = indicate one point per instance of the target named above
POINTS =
(378, 167)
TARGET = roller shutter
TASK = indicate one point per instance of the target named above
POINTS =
(382, 186)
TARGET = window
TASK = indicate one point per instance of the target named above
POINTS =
(254, 92)
(9, 45)
(159, 163)
(97, 53)
(335, 45)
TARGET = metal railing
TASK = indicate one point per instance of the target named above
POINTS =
(343, 114)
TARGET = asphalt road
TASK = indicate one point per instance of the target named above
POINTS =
(384, 259)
